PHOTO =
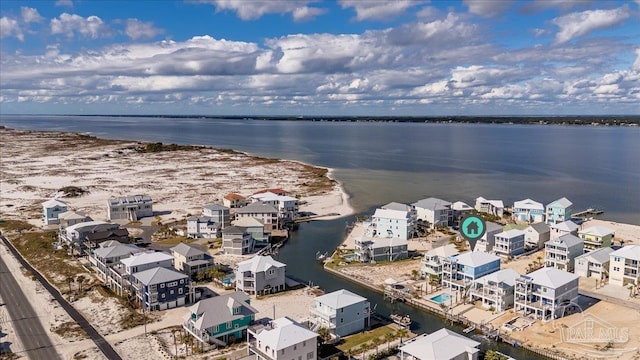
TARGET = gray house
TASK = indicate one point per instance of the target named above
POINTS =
(535, 235)
(260, 275)
(107, 257)
(190, 260)
(488, 241)
(218, 213)
(160, 288)
(593, 264)
(130, 208)
(342, 312)
(561, 252)
(545, 293)
(374, 249)
(237, 241)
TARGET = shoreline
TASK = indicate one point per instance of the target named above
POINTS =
(41, 162)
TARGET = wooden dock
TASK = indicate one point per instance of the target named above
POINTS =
(590, 212)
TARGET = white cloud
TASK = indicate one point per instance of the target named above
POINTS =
(30, 15)
(636, 63)
(67, 3)
(252, 10)
(562, 5)
(10, 27)
(488, 8)
(136, 29)
(69, 24)
(378, 10)
(578, 24)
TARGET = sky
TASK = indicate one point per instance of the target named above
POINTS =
(310, 58)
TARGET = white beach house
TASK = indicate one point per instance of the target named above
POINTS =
(528, 210)
(130, 208)
(545, 293)
(488, 240)
(594, 264)
(535, 235)
(443, 344)
(260, 275)
(493, 207)
(495, 290)
(342, 312)
(561, 252)
(624, 266)
(389, 223)
(436, 212)
(432, 260)
(282, 339)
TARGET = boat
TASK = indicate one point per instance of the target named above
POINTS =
(402, 320)
(469, 329)
(320, 256)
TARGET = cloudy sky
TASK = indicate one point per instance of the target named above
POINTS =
(298, 57)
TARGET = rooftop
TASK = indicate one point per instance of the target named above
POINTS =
(568, 240)
(135, 199)
(215, 207)
(340, 298)
(510, 233)
(146, 258)
(631, 252)
(599, 255)
(495, 203)
(504, 276)
(550, 277)
(248, 222)
(432, 204)
(475, 259)
(528, 204)
(186, 250)
(257, 208)
(597, 231)
(391, 214)
(283, 333)
(461, 206)
(219, 310)
(158, 275)
(444, 251)
(259, 264)
(562, 203)
(540, 228)
(53, 203)
(397, 206)
(568, 226)
(234, 196)
(442, 344)
(116, 251)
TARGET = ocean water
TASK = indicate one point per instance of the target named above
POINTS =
(382, 162)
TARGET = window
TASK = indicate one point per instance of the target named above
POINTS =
(179, 290)
(310, 356)
(229, 325)
(295, 347)
(282, 351)
(172, 284)
(161, 286)
(181, 281)
(304, 343)
(171, 292)
(216, 328)
(163, 296)
(341, 320)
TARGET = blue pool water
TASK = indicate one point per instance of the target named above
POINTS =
(351, 257)
(439, 299)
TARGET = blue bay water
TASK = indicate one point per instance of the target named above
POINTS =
(382, 162)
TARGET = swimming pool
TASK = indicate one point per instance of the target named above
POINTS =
(351, 256)
(442, 298)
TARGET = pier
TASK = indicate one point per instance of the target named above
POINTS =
(585, 214)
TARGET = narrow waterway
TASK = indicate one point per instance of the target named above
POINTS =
(299, 255)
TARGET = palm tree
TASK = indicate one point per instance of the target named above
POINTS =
(324, 334)
(414, 274)
(389, 337)
(402, 333)
(70, 280)
(80, 280)
(365, 347)
(348, 353)
(377, 342)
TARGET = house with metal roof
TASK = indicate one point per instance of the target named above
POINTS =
(71, 217)
(191, 260)
(432, 260)
(220, 320)
(558, 211)
(120, 275)
(436, 212)
(389, 223)
(202, 227)
(254, 227)
(563, 228)
(528, 211)
(282, 339)
(237, 241)
(509, 243)
(219, 214)
(287, 206)
(596, 237)
(374, 249)
(443, 344)
(492, 207)
(624, 265)
(105, 258)
(161, 288)
(495, 290)
(51, 209)
(561, 252)
(260, 275)
(594, 264)
(545, 293)
(488, 240)
(535, 235)
(129, 208)
(263, 212)
(341, 311)
(459, 271)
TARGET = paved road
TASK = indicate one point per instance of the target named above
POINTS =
(25, 321)
(98, 339)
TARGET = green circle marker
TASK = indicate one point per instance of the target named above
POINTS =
(472, 227)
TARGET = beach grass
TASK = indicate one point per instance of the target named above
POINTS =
(353, 341)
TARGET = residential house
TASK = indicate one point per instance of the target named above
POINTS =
(342, 312)
(594, 264)
(287, 206)
(459, 209)
(105, 258)
(443, 344)
(545, 293)
(509, 243)
(374, 249)
(267, 214)
(535, 235)
(558, 211)
(528, 210)
(95, 238)
(254, 227)
(218, 213)
(459, 271)
(76, 235)
(282, 339)
(561, 252)
(563, 228)
(436, 212)
(51, 209)
(237, 241)
(190, 260)
(493, 207)
(432, 260)
(220, 320)
(234, 201)
(130, 208)
(202, 227)
(276, 191)
(161, 288)
(120, 276)
(596, 237)
(624, 266)
(391, 223)
(495, 290)
(398, 207)
(260, 275)
(71, 217)
(488, 241)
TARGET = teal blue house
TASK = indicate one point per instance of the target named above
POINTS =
(559, 211)
(220, 320)
(51, 209)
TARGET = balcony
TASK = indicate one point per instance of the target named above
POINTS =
(326, 315)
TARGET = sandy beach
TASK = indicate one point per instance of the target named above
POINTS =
(35, 165)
